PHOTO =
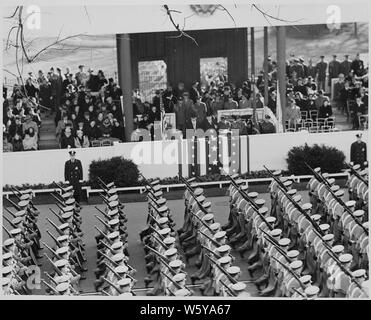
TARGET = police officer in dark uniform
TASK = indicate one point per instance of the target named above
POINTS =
(358, 151)
(73, 174)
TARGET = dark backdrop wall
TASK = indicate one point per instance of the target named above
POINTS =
(182, 55)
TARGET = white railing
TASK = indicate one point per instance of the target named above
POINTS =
(167, 187)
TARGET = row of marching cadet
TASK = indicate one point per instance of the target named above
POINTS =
(24, 252)
(165, 248)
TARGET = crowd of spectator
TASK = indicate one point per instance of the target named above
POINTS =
(86, 106)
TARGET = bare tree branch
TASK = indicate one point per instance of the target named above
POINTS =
(222, 8)
(14, 13)
(176, 25)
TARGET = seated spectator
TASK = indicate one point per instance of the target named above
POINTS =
(93, 131)
(30, 139)
(200, 109)
(266, 125)
(293, 114)
(7, 146)
(67, 140)
(223, 124)
(244, 102)
(118, 130)
(216, 104)
(357, 109)
(272, 101)
(320, 99)
(209, 122)
(81, 140)
(17, 143)
(62, 124)
(16, 127)
(230, 104)
(106, 128)
(29, 123)
(325, 110)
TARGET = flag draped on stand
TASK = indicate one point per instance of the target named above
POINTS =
(279, 111)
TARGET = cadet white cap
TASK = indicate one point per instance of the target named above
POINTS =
(62, 287)
(271, 219)
(277, 172)
(25, 196)
(7, 256)
(61, 279)
(67, 195)
(200, 198)
(113, 212)
(345, 258)
(220, 235)
(238, 286)
(331, 181)
(62, 250)
(275, 232)
(252, 194)
(317, 169)
(324, 227)
(20, 213)
(113, 222)
(164, 231)
(291, 192)
(16, 221)
(358, 213)
(325, 174)
(15, 231)
(198, 192)
(365, 225)
(328, 237)
(296, 264)
(244, 187)
(9, 242)
(311, 291)
(156, 188)
(124, 282)
(161, 201)
(225, 260)
(176, 263)
(158, 194)
(117, 245)
(239, 181)
(284, 242)
(305, 279)
(112, 191)
(206, 204)
(293, 254)
(287, 183)
(63, 226)
(171, 252)
(233, 270)
(169, 240)
(356, 167)
(260, 202)
(70, 201)
(162, 209)
(179, 277)
(121, 269)
(23, 203)
(297, 198)
(307, 206)
(337, 249)
(316, 217)
(113, 204)
(62, 238)
(224, 248)
(263, 210)
(113, 198)
(4, 281)
(363, 173)
(154, 182)
(118, 257)
(113, 235)
(339, 193)
(335, 188)
(215, 226)
(6, 270)
(67, 215)
(359, 273)
(163, 220)
(208, 217)
(61, 263)
(350, 203)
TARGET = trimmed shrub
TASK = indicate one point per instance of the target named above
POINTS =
(330, 159)
(123, 172)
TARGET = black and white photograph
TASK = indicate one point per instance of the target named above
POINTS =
(185, 151)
